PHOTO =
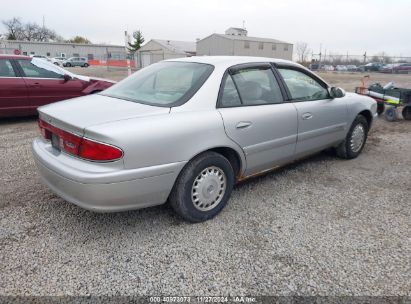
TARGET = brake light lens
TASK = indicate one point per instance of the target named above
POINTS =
(80, 146)
(44, 132)
(98, 151)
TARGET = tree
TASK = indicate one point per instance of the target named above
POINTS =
(302, 51)
(79, 39)
(14, 28)
(30, 31)
(138, 41)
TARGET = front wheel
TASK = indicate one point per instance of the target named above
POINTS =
(203, 187)
(355, 140)
(68, 65)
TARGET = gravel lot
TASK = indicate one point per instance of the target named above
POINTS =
(322, 226)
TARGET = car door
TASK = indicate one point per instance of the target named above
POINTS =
(256, 118)
(76, 62)
(46, 82)
(13, 91)
(322, 120)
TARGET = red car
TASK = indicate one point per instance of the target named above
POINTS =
(403, 68)
(27, 83)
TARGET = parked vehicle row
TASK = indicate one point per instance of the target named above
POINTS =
(186, 130)
(65, 62)
(369, 67)
(29, 82)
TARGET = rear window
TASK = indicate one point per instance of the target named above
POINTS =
(163, 84)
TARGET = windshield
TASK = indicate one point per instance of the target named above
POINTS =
(48, 66)
(163, 84)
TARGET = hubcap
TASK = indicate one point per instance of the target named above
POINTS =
(208, 188)
(357, 138)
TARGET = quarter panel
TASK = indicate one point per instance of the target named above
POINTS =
(163, 139)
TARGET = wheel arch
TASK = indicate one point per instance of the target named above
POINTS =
(231, 154)
(368, 116)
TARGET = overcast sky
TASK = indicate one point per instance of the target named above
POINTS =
(340, 26)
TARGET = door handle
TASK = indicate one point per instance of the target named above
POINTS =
(36, 84)
(243, 124)
(307, 116)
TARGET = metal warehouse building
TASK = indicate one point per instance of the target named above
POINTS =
(61, 49)
(156, 50)
(235, 42)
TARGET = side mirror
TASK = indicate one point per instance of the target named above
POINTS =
(67, 77)
(336, 92)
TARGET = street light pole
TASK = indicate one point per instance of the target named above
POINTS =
(126, 40)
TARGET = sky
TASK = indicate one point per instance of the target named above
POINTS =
(338, 26)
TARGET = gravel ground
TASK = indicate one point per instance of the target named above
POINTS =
(322, 226)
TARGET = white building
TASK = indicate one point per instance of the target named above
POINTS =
(156, 50)
(62, 49)
(235, 42)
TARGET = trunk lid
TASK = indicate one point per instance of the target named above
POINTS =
(79, 113)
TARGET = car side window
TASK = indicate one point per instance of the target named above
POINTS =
(303, 87)
(6, 69)
(32, 70)
(230, 97)
(251, 86)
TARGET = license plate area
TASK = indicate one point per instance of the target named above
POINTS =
(55, 141)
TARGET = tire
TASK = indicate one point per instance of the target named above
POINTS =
(209, 174)
(406, 112)
(352, 145)
(85, 65)
(68, 65)
(390, 114)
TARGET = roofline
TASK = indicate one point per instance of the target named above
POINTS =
(156, 40)
(251, 38)
(61, 43)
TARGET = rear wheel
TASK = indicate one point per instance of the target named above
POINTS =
(85, 65)
(406, 113)
(68, 64)
(203, 187)
(355, 140)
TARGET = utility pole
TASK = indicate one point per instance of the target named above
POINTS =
(365, 57)
(320, 51)
(126, 41)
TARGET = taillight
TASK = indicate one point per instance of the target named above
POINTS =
(46, 133)
(80, 146)
(98, 151)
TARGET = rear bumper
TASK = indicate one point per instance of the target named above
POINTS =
(113, 191)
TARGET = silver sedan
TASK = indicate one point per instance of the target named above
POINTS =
(186, 130)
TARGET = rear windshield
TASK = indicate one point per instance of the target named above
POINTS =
(163, 84)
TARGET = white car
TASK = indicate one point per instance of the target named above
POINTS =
(186, 130)
(57, 60)
(341, 68)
